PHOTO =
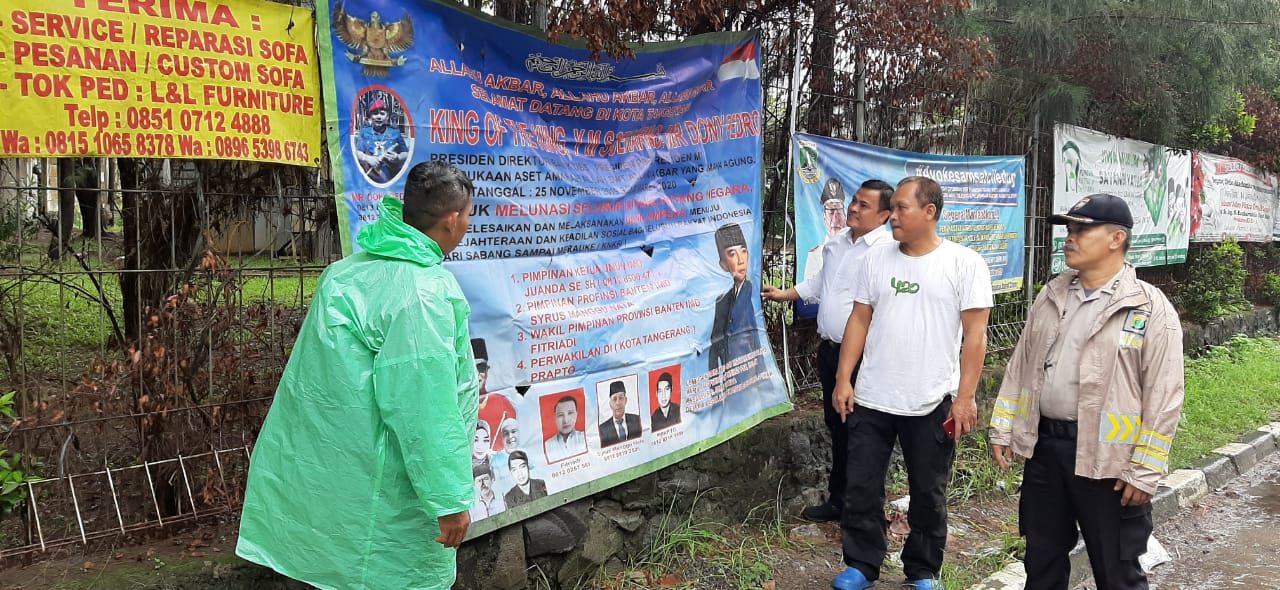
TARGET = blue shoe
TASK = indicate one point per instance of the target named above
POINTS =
(850, 579)
(924, 584)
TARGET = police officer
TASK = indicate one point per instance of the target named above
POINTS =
(1091, 398)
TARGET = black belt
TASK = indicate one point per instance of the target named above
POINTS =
(830, 343)
(1057, 428)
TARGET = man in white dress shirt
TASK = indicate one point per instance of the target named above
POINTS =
(832, 289)
(568, 441)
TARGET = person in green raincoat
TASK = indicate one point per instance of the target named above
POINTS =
(361, 477)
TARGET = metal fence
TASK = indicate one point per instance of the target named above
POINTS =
(143, 331)
(922, 111)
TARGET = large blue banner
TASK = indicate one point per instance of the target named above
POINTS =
(613, 261)
(984, 204)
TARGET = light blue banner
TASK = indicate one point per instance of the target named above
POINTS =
(613, 261)
(984, 204)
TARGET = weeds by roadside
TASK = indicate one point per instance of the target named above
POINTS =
(1230, 390)
(958, 575)
(688, 553)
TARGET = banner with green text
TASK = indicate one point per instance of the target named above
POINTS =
(1153, 179)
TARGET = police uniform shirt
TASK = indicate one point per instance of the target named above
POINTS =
(1061, 392)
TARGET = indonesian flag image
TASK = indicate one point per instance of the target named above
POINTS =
(741, 63)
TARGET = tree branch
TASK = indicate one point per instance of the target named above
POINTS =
(1181, 19)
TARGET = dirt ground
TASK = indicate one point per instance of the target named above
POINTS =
(203, 557)
(976, 529)
(129, 561)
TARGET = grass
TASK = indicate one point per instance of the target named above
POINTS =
(687, 554)
(690, 554)
(975, 478)
(292, 289)
(1230, 390)
(65, 325)
(974, 473)
(961, 575)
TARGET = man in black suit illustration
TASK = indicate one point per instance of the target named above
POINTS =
(733, 328)
(621, 425)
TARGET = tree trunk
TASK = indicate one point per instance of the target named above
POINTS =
(129, 279)
(513, 10)
(822, 59)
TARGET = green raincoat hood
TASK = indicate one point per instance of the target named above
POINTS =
(391, 237)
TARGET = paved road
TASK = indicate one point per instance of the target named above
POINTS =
(1230, 540)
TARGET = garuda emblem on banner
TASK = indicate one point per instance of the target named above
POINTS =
(374, 41)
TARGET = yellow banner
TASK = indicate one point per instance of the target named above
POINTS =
(222, 79)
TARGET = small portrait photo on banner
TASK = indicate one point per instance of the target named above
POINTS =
(382, 135)
(619, 406)
(563, 424)
(664, 397)
(488, 502)
(524, 487)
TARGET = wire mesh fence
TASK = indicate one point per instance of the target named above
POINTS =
(145, 318)
(924, 111)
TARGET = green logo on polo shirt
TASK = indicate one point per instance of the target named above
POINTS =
(900, 286)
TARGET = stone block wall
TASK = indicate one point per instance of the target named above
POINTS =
(1260, 321)
(779, 465)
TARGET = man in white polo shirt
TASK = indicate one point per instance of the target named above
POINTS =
(916, 302)
(832, 288)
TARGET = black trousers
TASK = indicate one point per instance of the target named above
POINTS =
(928, 454)
(1055, 500)
(828, 362)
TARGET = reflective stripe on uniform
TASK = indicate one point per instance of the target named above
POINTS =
(1119, 428)
(1151, 458)
(1156, 441)
(1005, 411)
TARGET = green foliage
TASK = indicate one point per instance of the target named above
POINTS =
(1230, 390)
(11, 474)
(975, 473)
(67, 325)
(1232, 122)
(1215, 283)
(1170, 72)
(1271, 288)
(14, 230)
